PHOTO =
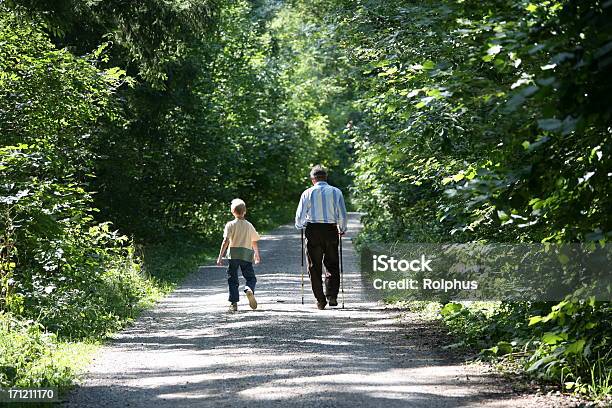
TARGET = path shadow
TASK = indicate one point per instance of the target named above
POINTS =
(190, 352)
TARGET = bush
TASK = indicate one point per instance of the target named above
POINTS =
(567, 343)
(28, 355)
(74, 276)
(104, 288)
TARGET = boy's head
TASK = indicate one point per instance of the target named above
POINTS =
(238, 208)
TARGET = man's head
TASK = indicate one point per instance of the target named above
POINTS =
(318, 173)
(238, 208)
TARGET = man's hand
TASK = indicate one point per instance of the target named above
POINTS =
(341, 233)
(219, 261)
(257, 259)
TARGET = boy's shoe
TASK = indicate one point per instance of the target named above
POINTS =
(333, 300)
(233, 307)
(321, 305)
(251, 296)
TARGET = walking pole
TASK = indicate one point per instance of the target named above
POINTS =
(302, 233)
(341, 272)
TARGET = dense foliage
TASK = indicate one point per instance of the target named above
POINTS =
(488, 121)
(140, 119)
(58, 264)
(491, 121)
(454, 121)
(207, 116)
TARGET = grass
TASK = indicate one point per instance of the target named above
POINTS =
(31, 357)
(599, 385)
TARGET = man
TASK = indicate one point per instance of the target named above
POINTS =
(322, 213)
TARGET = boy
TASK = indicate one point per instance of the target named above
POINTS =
(241, 238)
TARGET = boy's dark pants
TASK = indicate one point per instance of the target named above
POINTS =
(232, 277)
(322, 248)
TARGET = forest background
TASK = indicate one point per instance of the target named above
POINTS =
(126, 129)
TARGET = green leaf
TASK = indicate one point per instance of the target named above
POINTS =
(534, 320)
(450, 308)
(429, 65)
(389, 72)
(502, 215)
(551, 338)
(575, 348)
(115, 73)
(492, 350)
(544, 360)
(100, 50)
(560, 305)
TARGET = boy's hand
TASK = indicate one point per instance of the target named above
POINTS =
(219, 261)
(257, 259)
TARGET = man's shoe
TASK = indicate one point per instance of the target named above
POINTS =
(321, 305)
(233, 307)
(333, 300)
(251, 296)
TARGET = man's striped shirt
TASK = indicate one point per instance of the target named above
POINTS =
(321, 203)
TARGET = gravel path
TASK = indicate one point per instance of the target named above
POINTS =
(190, 352)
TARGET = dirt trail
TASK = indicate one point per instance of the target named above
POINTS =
(190, 352)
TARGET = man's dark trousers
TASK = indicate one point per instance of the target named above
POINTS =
(322, 248)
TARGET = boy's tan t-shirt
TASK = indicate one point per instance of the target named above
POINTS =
(241, 234)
